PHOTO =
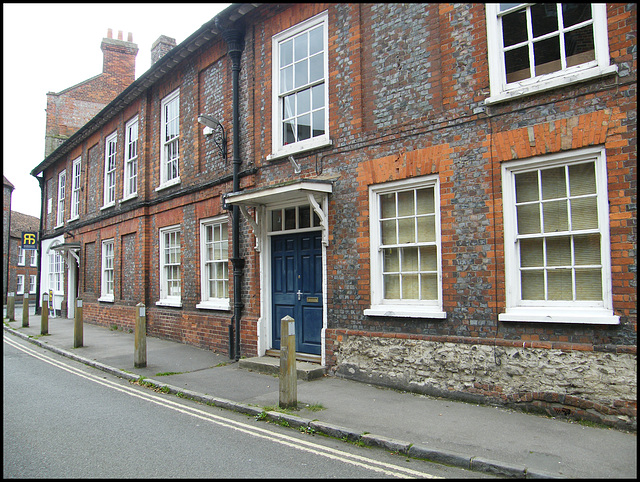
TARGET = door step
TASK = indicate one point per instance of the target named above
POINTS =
(307, 357)
(270, 365)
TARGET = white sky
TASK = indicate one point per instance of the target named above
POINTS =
(50, 47)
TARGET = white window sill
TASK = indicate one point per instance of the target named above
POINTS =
(533, 86)
(58, 226)
(222, 305)
(173, 303)
(167, 184)
(597, 316)
(107, 206)
(75, 218)
(406, 311)
(129, 198)
(106, 299)
(300, 147)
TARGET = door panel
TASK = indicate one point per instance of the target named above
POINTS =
(297, 288)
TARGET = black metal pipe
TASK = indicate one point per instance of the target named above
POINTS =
(40, 233)
(234, 37)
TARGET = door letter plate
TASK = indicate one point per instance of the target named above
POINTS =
(312, 299)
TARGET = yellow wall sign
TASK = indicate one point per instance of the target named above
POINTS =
(29, 240)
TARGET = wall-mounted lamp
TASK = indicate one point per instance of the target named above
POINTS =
(296, 167)
(213, 126)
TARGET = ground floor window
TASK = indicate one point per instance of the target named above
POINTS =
(107, 271)
(214, 256)
(170, 267)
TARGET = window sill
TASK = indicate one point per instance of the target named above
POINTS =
(172, 303)
(106, 299)
(128, 198)
(533, 86)
(107, 206)
(299, 148)
(222, 305)
(406, 311)
(558, 315)
(167, 184)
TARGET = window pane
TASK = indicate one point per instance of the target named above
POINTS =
(428, 258)
(406, 231)
(300, 47)
(286, 79)
(318, 123)
(527, 187)
(579, 46)
(289, 107)
(559, 251)
(582, 179)
(389, 232)
(391, 260)
(316, 43)
(425, 201)
(288, 133)
(303, 102)
(276, 220)
(387, 205)
(575, 13)
(544, 18)
(528, 219)
(531, 253)
(429, 287)
(587, 249)
(410, 287)
(304, 127)
(547, 55)
(317, 96)
(553, 183)
(517, 64)
(584, 213)
(514, 28)
(588, 284)
(532, 285)
(286, 53)
(290, 218)
(426, 229)
(555, 216)
(409, 259)
(391, 286)
(304, 217)
(301, 73)
(406, 204)
(316, 67)
(560, 284)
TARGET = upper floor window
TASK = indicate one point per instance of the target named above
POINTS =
(170, 267)
(106, 293)
(34, 257)
(21, 256)
(170, 140)
(214, 255)
(131, 158)
(110, 147)
(300, 87)
(62, 180)
(75, 189)
(406, 275)
(557, 255)
(534, 47)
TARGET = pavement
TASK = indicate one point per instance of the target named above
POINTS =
(482, 438)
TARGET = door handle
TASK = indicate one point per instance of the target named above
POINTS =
(299, 293)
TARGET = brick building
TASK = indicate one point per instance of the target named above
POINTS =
(23, 263)
(7, 190)
(443, 197)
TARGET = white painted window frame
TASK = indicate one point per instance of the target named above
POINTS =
(131, 136)
(586, 312)
(207, 301)
(21, 256)
(20, 284)
(34, 258)
(32, 283)
(501, 91)
(404, 308)
(62, 180)
(107, 279)
(165, 145)
(56, 266)
(165, 298)
(110, 174)
(75, 188)
(278, 149)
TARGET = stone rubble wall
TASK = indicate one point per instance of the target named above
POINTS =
(590, 385)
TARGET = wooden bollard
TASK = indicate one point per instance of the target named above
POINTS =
(25, 310)
(77, 325)
(140, 349)
(11, 306)
(44, 315)
(288, 378)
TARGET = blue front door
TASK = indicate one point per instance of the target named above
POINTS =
(296, 286)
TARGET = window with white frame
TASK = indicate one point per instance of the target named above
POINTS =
(170, 267)
(405, 249)
(55, 272)
(131, 158)
(300, 87)
(539, 46)
(110, 148)
(557, 254)
(214, 263)
(20, 284)
(62, 180)
(75, 189)
(21, 256)
(106, 293)
(34, 257)
(170, 140)
(32, 283)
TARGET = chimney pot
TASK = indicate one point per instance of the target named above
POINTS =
(109, 33)
(119, 34)
(130, 37)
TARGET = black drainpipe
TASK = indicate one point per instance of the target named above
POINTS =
(40, 231)
(234, 37)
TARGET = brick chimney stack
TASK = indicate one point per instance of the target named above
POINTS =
(119, 57)
(161, 47)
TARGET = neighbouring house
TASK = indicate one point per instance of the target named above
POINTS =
(442, 196)
(7, 190)
(23, 263)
